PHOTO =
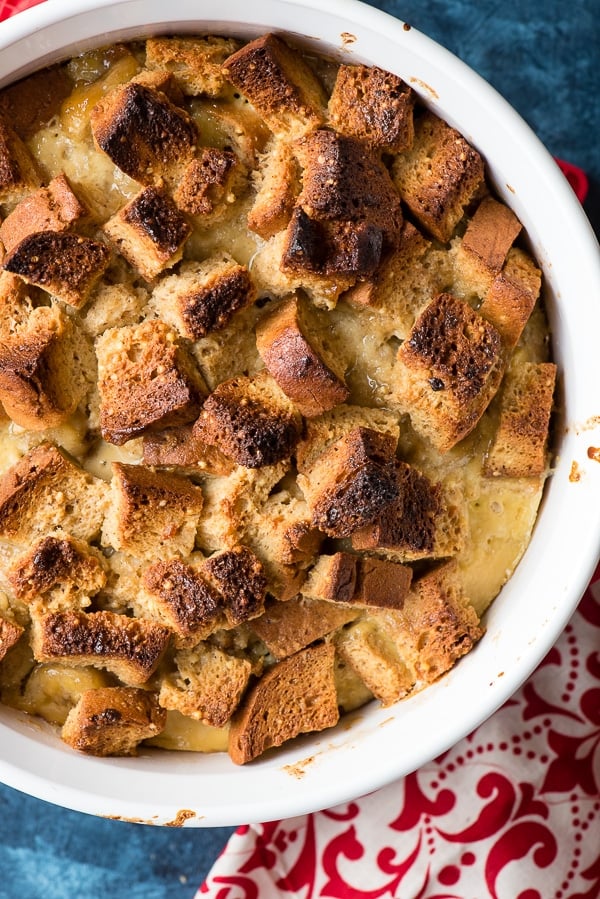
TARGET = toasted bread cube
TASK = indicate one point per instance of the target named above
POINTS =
(362, 582)
(180, 598)
(351, 482)
(207, 686)
(45, 493)
(18, 172)
(490, 234)
(33, 101)
(250, 420)
(278, 182)
(210, 185)
(131, 648)
(144, 134)
(512, 296)
(153, 514)
(113, 721)
(333, 578)
(296, 696)
(279, 84)
(149, 232)
(63, 264)
(195, 61)
(182, 451)
(371, 653)
(373, 105)
(147, 381)
(42, 373)
(51, 208)
(297, 362)
(161, 81)
(64, 571)
(239, 577)
(287, 627)
(448, 370)
(519, 448)
(10, 633)
(439, 176)
(323, 431)
(204, 296)
(218, 354)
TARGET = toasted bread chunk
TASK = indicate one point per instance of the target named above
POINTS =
(278, 183)
(204, 296)
(351, 482)
(219, 353)
(361, 582)
(195, 61)
(181, 450)
(112, 306)
(287, 627)
(153, 514)
(333, 578)
(10, 633)
(64, 571)
(210, 185)
(490, 234)
(439, 176)
(147, 381)
(42, 373)
(32, 102)
(283, 339)
(45, 493)
(18, 172)
(144, 134)
(279, 84)
(250, 420)
(519, 449)
(322, 432)
(512, 296)
(149, 232)
(113, 721)
(180, 598)
(239, 577)
(51, 208)
(448, 370)
(208, 684)
(63, 264)
(295, 696)
(371, 653)
(131, 648)
(161, 81)
(373, 105)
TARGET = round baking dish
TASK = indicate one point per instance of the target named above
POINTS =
(376, 745)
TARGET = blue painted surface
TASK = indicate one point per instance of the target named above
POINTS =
(543, 57)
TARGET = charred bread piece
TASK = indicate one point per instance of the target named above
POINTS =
(63, 264)
(182, 451)
(369, 650)
(278, 186)
(287, 627)
(512, 296)
(279, 84)
(113, 721)
(359, 581)
(64, 571)
(147, 381)
(298, 364)
(351, 482)
(195, 62)
(438, 176)
(210, 185)
(18, 171)
(144, 134)
(152, 514)
(207, 685)
(250, 420)
(296, 696)
(373, 105)
(131, 648)
(519, 448)
(51, 208)
(204, 296)
(45, 493)
(10, 633)
(149, 232)
(448, 370)
(179, 597)
(238, 576)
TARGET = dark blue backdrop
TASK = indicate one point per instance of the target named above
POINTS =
(543, 57)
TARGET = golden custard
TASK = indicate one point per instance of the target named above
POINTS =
(275, 391)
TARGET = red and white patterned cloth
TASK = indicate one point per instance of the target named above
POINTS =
(511, 812)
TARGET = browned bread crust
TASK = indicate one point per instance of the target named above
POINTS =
(210, 185)
(59, 569)
(239, 577)
(490, 234)
(18, 172)
(278, 179)
(373, 105)
(131, 648)
(33, 101)
(51, 208)
(295, 696)
(369, 650)
(10, 633)
(180, 598)
(512, 296)
(359, 581)
(286, 627)
(113, 721)
(184, 452)
(195, 62)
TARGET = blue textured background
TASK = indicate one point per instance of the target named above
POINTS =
(544, 58)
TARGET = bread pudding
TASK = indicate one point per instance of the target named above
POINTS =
(276, 394)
